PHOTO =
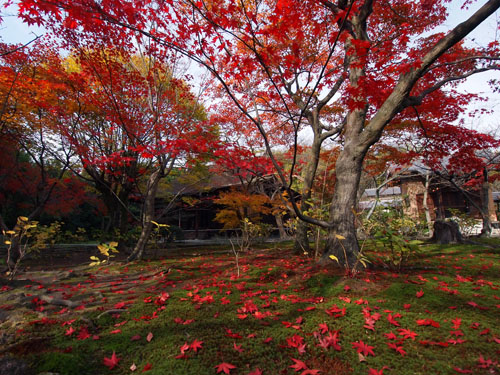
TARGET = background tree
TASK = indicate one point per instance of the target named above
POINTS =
(135, 123)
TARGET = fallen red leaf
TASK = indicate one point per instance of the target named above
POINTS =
(361, 347)
(372, 371)
(111, 362)
(298, 365)
(224, 367)
(257, 371)
(195, 345)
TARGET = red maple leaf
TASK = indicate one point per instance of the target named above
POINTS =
(298, 365)
(323, 328)
(460, 371)
(84, 334)
(310, 372)
(399, 349)
(111, 362)
(195, 345)
(147, 367)
(420, 293)
(390, 336)
(406, 333)
(224, 367)
(257, 371)
(237, 348)
(456, 323)
(393, 321)
(361, 347)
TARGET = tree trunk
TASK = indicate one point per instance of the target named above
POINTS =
(426, 206)
(301, 244)
(446, 232)
(342, 241)
(148, 216)
(281, 227)
(485, 205)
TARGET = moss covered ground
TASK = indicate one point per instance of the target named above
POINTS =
(284, 314)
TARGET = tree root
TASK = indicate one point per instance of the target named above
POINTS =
(112, 311)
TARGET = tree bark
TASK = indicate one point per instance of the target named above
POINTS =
(148, 215)
(281, 227)
(446, 232)
(426, 206)
(301, 244)
(485, 208)
(342, 240)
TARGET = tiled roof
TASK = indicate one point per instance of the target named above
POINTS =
(395, 190)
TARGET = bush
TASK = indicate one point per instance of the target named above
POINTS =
(464, 221)
(388, 227)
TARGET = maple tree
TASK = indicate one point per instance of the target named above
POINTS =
(346, 70)
(35, 162)
(29, 145)
(139, 122)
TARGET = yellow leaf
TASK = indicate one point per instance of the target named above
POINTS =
(23, 218)
(8, 242)
(155, 223)
(333, 257)
(113, 244)
(10, 232)
(94, 257)
(339, 237)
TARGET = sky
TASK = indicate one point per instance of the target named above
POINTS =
(14, 31)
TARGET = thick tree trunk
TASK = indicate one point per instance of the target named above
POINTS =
(342, 241)
(148, 216)
(446, 232)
